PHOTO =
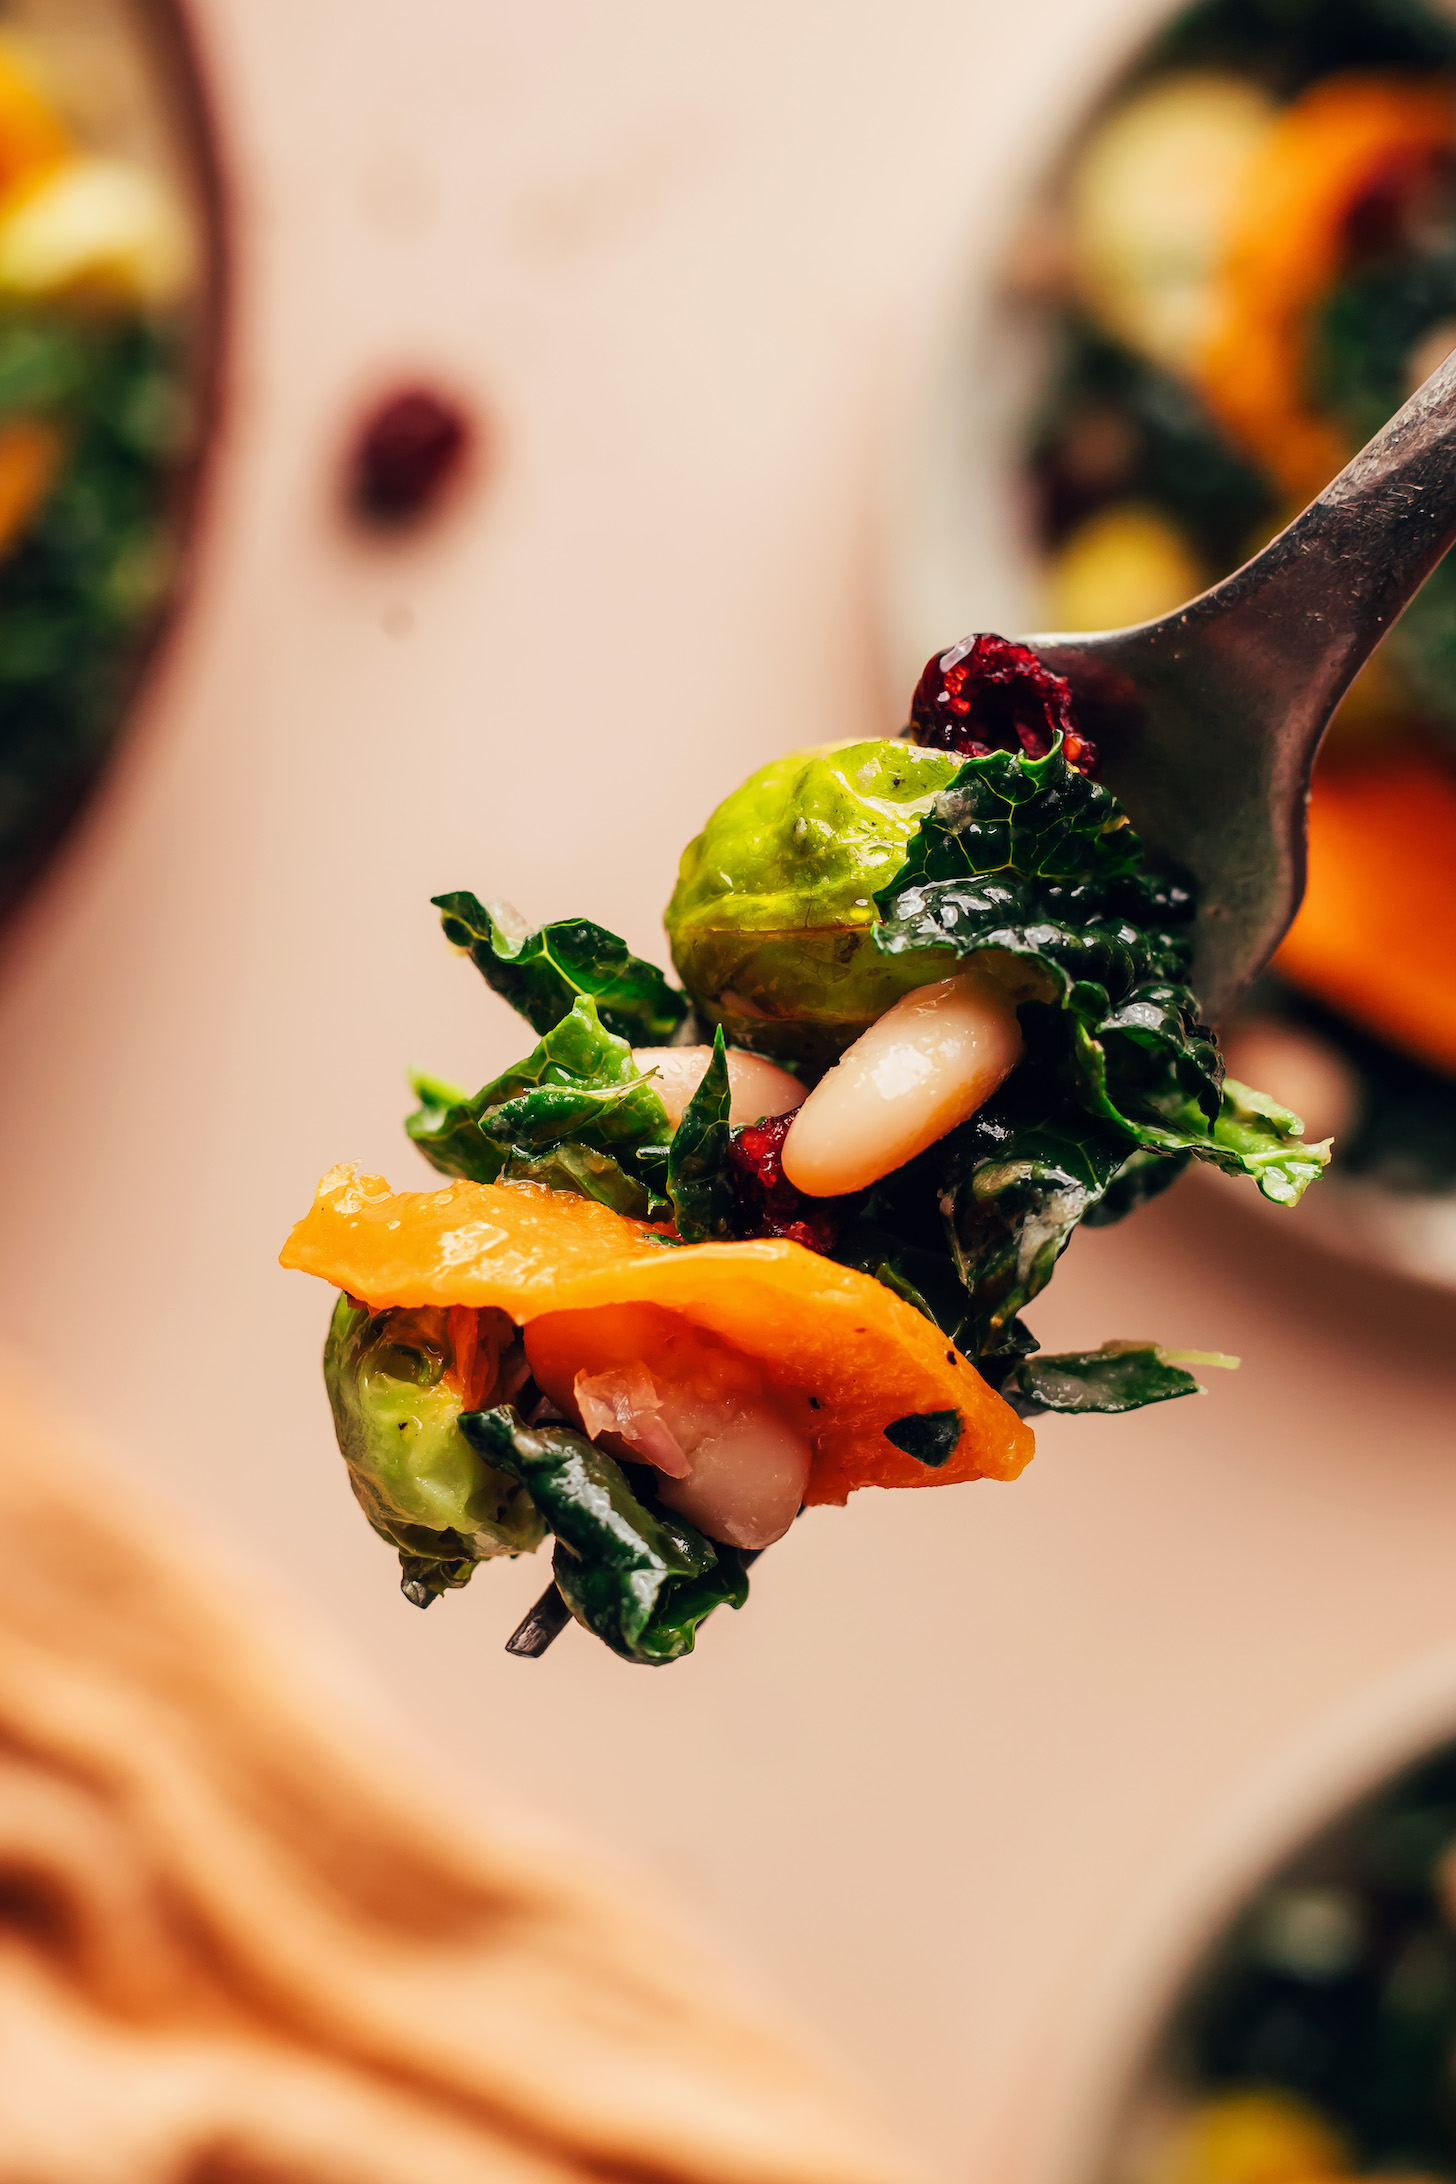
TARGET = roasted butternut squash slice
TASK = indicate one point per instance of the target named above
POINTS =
(845, 1357)
(1288, 236)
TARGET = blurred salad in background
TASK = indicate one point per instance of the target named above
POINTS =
(1245, 267)
(1317, 2039)
(102, 371)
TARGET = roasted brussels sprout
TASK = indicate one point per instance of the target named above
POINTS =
(771, 920)
(397, 1389)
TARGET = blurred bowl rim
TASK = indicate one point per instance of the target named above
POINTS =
(180, 59)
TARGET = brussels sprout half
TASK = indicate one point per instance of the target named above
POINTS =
(416, 1477)
(771, 922)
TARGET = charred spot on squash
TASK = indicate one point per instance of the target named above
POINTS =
(931, 1437)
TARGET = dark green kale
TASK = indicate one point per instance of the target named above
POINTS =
(577, 1114)
(1030, 859)
(1016, 1181)
(1143, 1176)
(542, 974)
(83, 587)
(420, 1483)
(699, 1182)
(634, 1574)
(1286, 47)
(1154, 442)
(1120, 1376)
(1120, 1084)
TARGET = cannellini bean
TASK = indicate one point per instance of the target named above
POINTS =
(655, 1388)
(745, 1483)
(928, 1063)
(756, 1087)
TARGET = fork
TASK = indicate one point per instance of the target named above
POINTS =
(1207, 721)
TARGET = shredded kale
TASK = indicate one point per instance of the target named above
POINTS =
(542, 974)
(1028, 858)
(699, 1181)
(637, 1576)
(1120, 1376)
(577, 1114)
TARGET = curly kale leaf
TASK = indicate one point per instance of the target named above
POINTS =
(926, 1278)
(640, 1578)
(421, 1484)
(580, 1084)
(591, 1174)
(1027, 820)
(1143, 1176)
(543, 973)
(1149, 1067)
(1017, 1181)
(576, 1114)
(1120, 1376)
(699, 1181)
(1029, 859)
(445, 1128)
(1255, 1136)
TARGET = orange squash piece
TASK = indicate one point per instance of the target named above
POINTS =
(30, 453)
(1376, 936)
(1288, 236)
(32, 139)
(844, 1355)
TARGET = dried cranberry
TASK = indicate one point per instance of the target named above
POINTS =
(766, 1203)
(405, 455)
(987, 694)
(1407, 193)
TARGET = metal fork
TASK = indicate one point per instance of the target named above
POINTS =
(1207, 721)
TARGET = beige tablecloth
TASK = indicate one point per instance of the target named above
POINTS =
(234, 1947)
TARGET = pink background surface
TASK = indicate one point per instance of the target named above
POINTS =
(690, 270)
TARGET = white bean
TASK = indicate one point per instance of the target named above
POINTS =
(747, 1480)
(756, 1088)
(928, 1063)
(658, 1390)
